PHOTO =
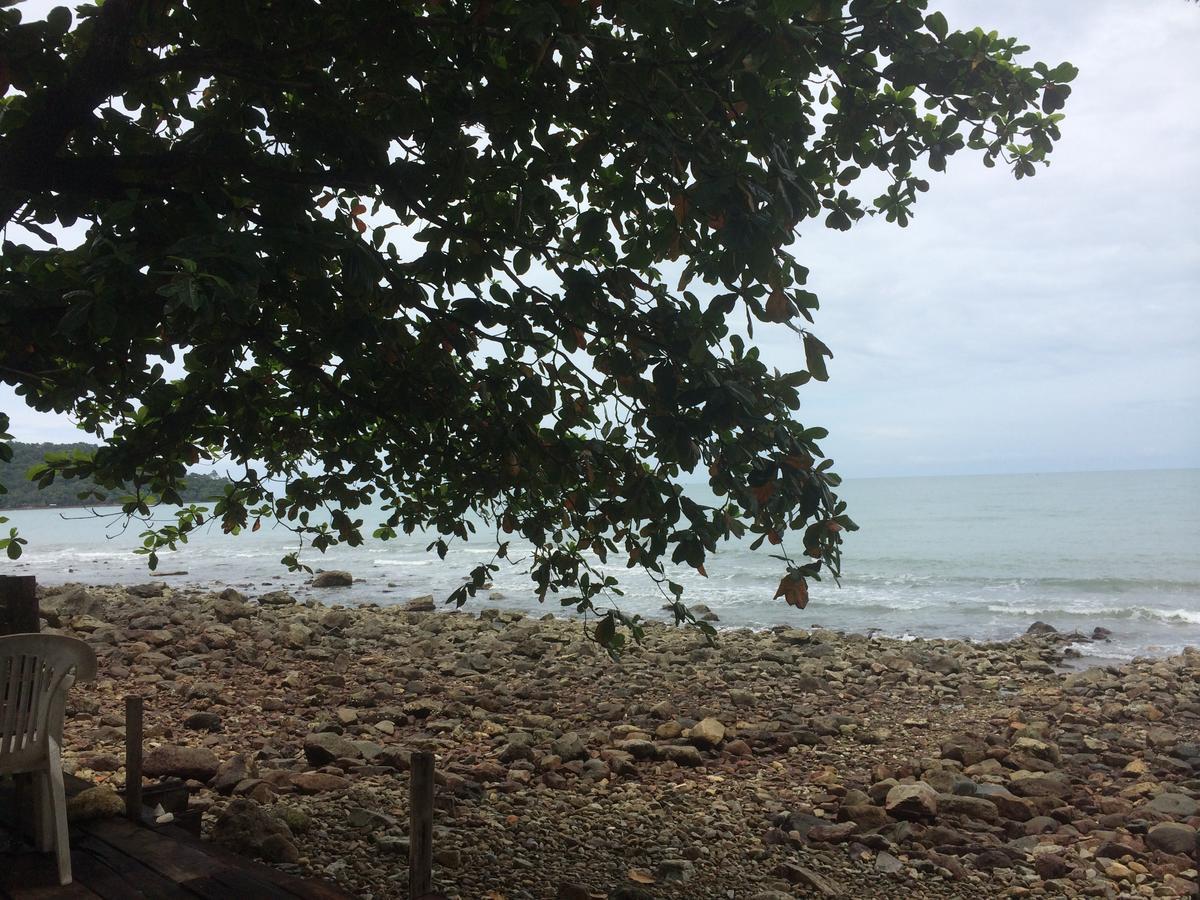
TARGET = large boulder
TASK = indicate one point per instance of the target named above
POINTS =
(334, 578)
(68, 601)
(199, 763)
(244, 825)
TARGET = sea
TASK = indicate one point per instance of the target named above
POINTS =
(970, 557)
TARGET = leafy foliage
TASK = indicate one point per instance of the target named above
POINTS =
(452, 257)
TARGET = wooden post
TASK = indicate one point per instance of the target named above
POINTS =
(18, 604)
(133, 758)
(420, 825)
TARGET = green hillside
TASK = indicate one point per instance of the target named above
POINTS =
(23, 493)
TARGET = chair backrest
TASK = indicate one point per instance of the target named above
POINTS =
(36, 671)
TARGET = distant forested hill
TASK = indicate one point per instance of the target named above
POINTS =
(24, 493)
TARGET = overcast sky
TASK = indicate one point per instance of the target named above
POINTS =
(1043, 325)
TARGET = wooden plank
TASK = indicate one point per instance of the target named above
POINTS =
(124, 867)
(34, 876)
(307, 888)
(237, 883)
(102, 879)
(175, 860)
(18, 604)
(192, 868)
(420, 830)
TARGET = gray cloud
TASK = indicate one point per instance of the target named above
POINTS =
(1045, 324)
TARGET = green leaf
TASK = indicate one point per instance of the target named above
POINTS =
(936, 22)
(814, 353)
(1063, 73)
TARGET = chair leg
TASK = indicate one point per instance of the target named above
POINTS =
(39, 793)
(58, 807)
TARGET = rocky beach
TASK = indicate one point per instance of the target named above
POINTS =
(775, 764)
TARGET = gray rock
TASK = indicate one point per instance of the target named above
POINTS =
(1174, 806)
(98, 802)
(232, 772)
(325, 747)
(679, 871)
(568, 747)
(1050, 866)
(1173, 837)
(199, 763)
(334, 578)
(147, 591)
(888, 864)
(1041, 786)
(70, 600)
(912, 801)
(797, 874)
(394, 846)
(793, 636)
(638, 748)
(708, 732)
(970, 807)
(945, 781)
(203, 721)
(295, 635)
(244, 825)
(423, 603)
(1041, 628)
(370, 818)
(514, 751)
(276, 598)
(1009, 805)
(682, 755)
(318, 782)
(100, 762)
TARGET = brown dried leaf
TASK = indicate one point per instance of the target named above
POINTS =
(793, 589)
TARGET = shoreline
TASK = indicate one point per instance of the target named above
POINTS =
(777, 764)
(1081, 649)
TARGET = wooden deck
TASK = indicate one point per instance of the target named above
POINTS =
(116, 859)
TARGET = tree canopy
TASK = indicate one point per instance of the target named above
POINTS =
(436, 262)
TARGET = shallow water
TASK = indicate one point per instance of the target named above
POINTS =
(979, 557)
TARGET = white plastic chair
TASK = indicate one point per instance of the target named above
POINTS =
(36, 671)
